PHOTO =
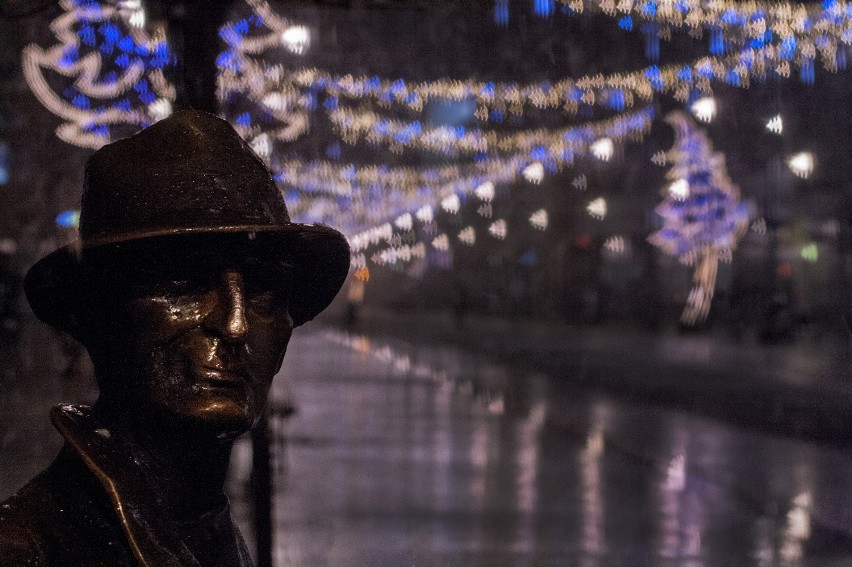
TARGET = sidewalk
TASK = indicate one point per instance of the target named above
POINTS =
(801, 389)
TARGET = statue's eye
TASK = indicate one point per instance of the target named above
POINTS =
(266, 287)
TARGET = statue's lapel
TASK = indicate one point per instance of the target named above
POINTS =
(150, 535)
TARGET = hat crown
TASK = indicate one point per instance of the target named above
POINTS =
(166, 179)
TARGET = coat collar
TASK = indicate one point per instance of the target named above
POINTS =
(152, 537)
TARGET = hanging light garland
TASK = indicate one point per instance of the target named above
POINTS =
(800, 30)
(116, 67)
(359, 193)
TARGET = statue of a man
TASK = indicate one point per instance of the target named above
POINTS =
(184, 287)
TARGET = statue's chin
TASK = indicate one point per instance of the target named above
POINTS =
(218, 416)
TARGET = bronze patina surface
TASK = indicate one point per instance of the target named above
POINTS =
(185, 286)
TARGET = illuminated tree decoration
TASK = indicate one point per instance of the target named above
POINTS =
(106, 74)
(703, 218)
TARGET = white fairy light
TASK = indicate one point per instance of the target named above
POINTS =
(404, 222)
(603, 149)
(468, 236)
(580, 182)
(296, 39)
(261, 145)
(704, 108)
(775, 124)
(498, 229)
(597, 208)
(539, 219)
(425, 214)
(534, 172)
(679, 189)
(451, 204)
(277, 101)
(160, 109)
(485, 192)
(801, 164)
(133, 11)
(659, 158)
(615, 244)
(759, 226)
(441, 242)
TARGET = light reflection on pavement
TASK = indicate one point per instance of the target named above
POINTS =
(402, 455)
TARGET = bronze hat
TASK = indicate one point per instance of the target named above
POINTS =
(189, 176)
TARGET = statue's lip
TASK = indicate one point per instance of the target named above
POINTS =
(218, 376)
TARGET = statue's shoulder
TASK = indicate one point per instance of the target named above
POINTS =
(61, 518)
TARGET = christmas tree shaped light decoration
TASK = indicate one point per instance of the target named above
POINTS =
(703, 218)
(105, 76)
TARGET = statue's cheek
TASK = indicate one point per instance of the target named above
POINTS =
(161, 318)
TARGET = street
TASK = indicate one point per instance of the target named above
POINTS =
(429, 456)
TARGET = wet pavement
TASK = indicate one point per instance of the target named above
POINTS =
(403, 454)
(409, 455)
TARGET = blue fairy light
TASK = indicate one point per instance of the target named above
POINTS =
(544, 8)
(655, 78)
(651, 30)
(626, 23)
(68, 219)
(4, 163)
(649, 9)
(717, 41)
(616, 99)
(87, 35)
(333, 151)
(330, 103)
(501, 12)
(81, 101)
(806, 72)
(70, 55)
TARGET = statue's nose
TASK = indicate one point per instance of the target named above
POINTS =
(231, 313)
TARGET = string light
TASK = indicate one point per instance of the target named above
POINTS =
(296, 39)
(485, 192)
(498, 229)
(603, 149)
(796, 30)
(597, 208)
(534, 173)
(539, 219)
(468, 236)
(801, 164)
(113, 67)
(704, 109)
(615, 244)
(679, 189)
(775, 124)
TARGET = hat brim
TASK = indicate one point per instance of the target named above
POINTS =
(318, 257)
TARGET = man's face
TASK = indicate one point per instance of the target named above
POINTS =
(205, 335)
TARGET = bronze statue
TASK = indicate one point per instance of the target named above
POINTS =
(184, 287)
